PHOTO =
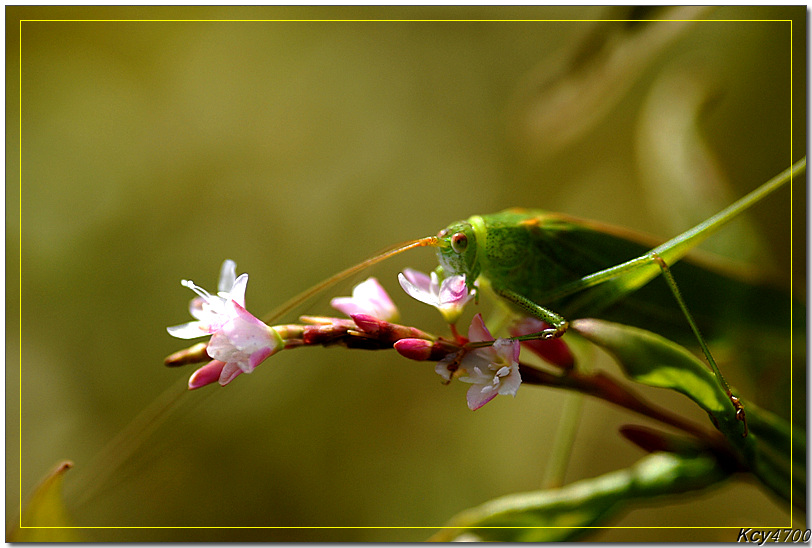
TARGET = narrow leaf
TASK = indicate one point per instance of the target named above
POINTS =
(774, 451)
(44, 515)
(655, 361)
(564, 513)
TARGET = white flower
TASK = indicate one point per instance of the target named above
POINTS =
(211, 311)
(491, 370)
(449, 297)
(242, 343)
(368, 297)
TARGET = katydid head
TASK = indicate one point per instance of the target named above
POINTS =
(457, 251)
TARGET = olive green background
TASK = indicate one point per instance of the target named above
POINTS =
(150, 151)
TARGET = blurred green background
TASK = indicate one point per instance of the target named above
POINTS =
(153, 150)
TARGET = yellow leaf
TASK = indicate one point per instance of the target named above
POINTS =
(44, 517)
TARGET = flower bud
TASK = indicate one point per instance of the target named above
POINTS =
(414, 349)
(386, 332)
(193, 354)
(423, 350)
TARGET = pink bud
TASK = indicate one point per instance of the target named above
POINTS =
(415, 349)
(207, 374)
(386, 332)
(368, 324)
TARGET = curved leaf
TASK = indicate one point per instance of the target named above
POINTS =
(44, 515)
(566, 512)
(655, 361)
(774, 450)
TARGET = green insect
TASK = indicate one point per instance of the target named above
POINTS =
(551, 267)
(554, 267)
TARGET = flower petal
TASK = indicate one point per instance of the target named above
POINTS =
(259, 356)
(510, 384)
(477, 332)
(249, 333)
(196, 308)
(442, 367)
(416, 292)
(478, 395)
(373, 292)
(434, 287)
(237, 292)
(207, 374)
(229, 373)
(348, 306)
(369, 298)
(454, 290)
(418, 279)
(220, 347)
(228, 274)
(491, 370)
(190, 330)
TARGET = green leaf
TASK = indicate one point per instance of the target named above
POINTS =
(564, 513)
(655, 361)
(44, 516)
(780, 457)
(774, 450)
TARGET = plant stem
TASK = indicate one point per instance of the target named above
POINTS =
(603, 386)
(564, 438)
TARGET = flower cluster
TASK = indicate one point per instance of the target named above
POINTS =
(240, 342)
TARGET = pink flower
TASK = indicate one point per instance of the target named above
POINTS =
(370, 298)
(449, 297)
(239, 340)
(211, 311)
(491, 370)
(242, 343)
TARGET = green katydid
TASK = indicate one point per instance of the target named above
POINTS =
(543, 264)
(552, 266)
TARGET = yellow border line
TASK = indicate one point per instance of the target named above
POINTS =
(791, 422)
(403, 20)
(20, 167)
(755, 527)
(20, 68)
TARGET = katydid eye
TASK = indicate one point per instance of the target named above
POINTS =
(459, 242)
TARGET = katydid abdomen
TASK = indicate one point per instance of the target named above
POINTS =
(534, 252)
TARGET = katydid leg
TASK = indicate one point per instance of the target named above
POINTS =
(535, 310)
(644, 263)
(672, 284)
